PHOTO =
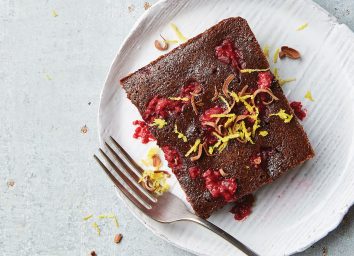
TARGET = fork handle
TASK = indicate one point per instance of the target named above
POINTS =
(224, 235)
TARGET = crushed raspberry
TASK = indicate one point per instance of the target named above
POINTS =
(264, 80)
(206, 116)
(227, 53)
(219, 186)
(298, 110)
(161, 108)
(243, 207)
(172, 157)
(191, 87)
(194, 172)
(142, 131)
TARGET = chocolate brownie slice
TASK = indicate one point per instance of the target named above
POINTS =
(219, 115)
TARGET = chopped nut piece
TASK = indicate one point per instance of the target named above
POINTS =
(118, 238)
(156, 161)
(216, 94)
(289, 52)
(224, 174)
(84, 129)
(161, 45)
(200, 151)
(225, 87)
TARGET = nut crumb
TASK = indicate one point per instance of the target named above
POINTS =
(324, 251)
(131, 8)
(84, 129)
(289, 52)
(147, 5)
(118, 238)
(10, 183)
(93, 253)
(161, 46)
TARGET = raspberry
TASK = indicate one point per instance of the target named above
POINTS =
(227, 53)
(194, 172)
(298, 110)
(142, 131)
(264, 80)
(219, 186)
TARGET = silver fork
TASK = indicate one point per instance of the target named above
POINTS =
(166, 208)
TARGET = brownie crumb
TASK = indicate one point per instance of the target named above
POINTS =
(131, 8)
(10, 183)
(118, 238)
(93, 253)
(147, 5)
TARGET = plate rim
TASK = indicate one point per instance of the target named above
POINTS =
(338, 214)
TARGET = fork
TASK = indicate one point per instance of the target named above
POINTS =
(166, 208)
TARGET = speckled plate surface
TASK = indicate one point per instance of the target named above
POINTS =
(307, 203)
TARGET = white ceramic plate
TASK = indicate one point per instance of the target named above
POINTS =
(304, 205)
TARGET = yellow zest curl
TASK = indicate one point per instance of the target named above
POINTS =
(266, 50)
(88, 217)
(178, 33)
(95, 226)
(276, 55)
(253, 70)
(308, 96)
(263, 133)
(180, 135)
(235, 96)
(193, 148)
(302, 27)
(160, 123)
(284, 116)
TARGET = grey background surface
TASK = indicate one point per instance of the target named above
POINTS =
(51, 73)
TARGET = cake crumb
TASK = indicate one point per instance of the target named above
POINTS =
(324, 251)
(93, 253)
(147, 5)
(131, 8)
(84, 129)
(10, 183)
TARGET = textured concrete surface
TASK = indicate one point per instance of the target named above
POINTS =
(51, 73)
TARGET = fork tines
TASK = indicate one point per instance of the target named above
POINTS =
(129, 173)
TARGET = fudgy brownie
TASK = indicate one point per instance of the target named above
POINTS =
(219, 115)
